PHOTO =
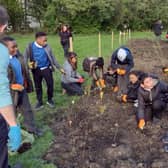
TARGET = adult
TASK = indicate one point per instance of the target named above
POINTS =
(9, 130)
(157, 29)
(65, 35)
(20, 84)
(40, 59)
(122, 62)
(71, 81)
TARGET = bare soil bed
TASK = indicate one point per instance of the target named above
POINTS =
(94, 133)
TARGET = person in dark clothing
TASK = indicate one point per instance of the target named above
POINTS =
(152, 99)
(40, 59)
(65, 35)
(157, 29)
(20, 85)
(110, 77)
(94, 67)
(71, 81)
(9, 130)
(122, 62)
(133, 85)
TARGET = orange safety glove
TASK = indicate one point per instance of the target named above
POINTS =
(124, 98)
(121, 71)
(98, 83)
(115, 89)
(165, 70)
(141, 124)
(17, 87)
(102, 83)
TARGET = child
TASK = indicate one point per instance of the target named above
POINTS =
(133, 85)
(71, 81)
(94, 67)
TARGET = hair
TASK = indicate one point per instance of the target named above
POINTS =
(100, 62)
(4, 17)
(70, 56)
(7, 39)
(40, 34)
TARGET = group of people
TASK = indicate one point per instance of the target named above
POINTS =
(148, 94)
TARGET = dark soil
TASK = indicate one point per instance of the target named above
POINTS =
(94, 133)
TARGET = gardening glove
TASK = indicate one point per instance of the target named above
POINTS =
(165, 70)
(121, 71)
(98, 84)
(17, 87)
(32, 65)
(141, 124)
(80, 80)
(62, 71)
(124, 98)
(14, 136)
(102, 83)
(115, 89)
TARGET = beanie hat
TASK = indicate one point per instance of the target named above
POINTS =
(121, 54)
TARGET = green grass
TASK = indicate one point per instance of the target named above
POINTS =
(84, 45)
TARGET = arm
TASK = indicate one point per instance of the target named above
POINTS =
(130, 63)
(113, 60)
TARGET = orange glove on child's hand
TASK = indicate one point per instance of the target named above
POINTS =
(17, 87)
(141, 124)
(121, 71)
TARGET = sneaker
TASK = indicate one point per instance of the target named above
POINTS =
(38, 106)
(166, 148)
(165, 140)
(50, 103)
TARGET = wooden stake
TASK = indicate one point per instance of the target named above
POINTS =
(129, 33)
(99, 44)
(112, 40)
(71, 44)
(120, 34)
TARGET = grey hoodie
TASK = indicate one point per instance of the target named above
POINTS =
(70, 76)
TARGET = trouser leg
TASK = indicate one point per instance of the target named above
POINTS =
(47, 74)
(28, 115)
(38, 83)
(3, 143)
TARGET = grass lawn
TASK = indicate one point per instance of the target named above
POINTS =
(84, 45)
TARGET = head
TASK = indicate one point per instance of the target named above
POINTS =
(147, 81)
(100, 62)
(64, 28)
(121, 54)
(41, 38)
(72, 59)
(3, 19)
(135, 76)
(11, 45)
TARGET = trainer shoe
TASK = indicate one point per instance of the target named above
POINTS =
(166, 148)
(51, 103)
(165, 140)
(38, 106)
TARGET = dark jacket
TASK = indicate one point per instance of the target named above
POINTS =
(115, 62)
(146, 97)
(64, 37)
(28, 85)
(28, 56)
(132, 93)
(157, 28)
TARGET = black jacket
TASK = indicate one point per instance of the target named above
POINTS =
(157, 28)
(132, 93)
(64, 37)
(145, 97)
(115, 62)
